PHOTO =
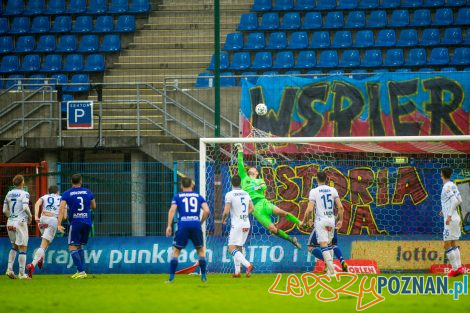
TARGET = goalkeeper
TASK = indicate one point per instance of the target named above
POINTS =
(255, 187)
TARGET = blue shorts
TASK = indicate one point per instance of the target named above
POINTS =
(183, 234)
(312, 240)
(78, 234)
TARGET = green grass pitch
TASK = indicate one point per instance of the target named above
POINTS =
(222, 293)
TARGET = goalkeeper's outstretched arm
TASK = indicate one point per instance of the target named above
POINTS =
(241, 165)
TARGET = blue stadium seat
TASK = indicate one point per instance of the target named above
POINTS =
(372, 58)
(356, 19)
(241, 61)
(443, 17)
(77, 7)
(433, 3)
(262, 61)
(283, 5)
(14, 81)
(416, 57)
(342, 39)
(334, 20)
(248, 21)
(326, 4)
(439, 56)
(448, 69)
(10, 64)
(88, 43)
(233, 42)
(269, 21)
(467, 38)
(456, 2)
(277, 40)
(364, 39)
(430, 37)
(31, 63)
(463, 17)
(111, 43)
(35, 7)
(293, 72)
(67, 43)
(227, 79)
(65, 97)
(368, 4)
(328, 58)
(336, 72)
(46, 43)
(139, 6)
(24, 44)
(399, 18)
(426, 70)
(125, 24)
(320, 40)
(461, 56)
(312, 20)
(347, 4)
(83, 24)
(62, 24)
(262, 5)
(104, 24)
(390, 4)
(40, 25)
(95, 63)
(223, 61)
(350, 58)
(386, 38)
(408, 38)
(6, 44)
(304, 5)
(14, 7)
(204, 80)
(55, 7)
(402, 70)
(73, 63)
(79, 83)
(35, 81)
(20, 25)
(394, 57)
(421, 18)
(452, 36)
(250, 77)
(298, 40)
(284, 60)
(118, 6)
(97, 7)
(52, 63)
(411, 3)
(271, 73)
(255, 41)
(377, 19)
(291, 21)
(3, 25)
(306, 59)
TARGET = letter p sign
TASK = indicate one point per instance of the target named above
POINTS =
(80, 115)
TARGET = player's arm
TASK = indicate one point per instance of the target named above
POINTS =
(455, 200)
(37, 208)
(93, 204)
(6, 209)
(226, 212)
(339, 218)
(261, 185)
(251, 207)
(171, 216)
(26, 208)
(205, 212)
(308, 214)
(61, 228)
(241, 164)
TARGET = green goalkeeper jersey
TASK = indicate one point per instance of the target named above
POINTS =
(254, 186)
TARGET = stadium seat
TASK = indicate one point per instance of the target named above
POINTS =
(97, 7)
(298, 40)
(35, 81)
(10, 64)
(326, 4)
(284, 60)
(347, 4)
(14, 7)
(386, 38)
(334, 20)
(269, 21)
(104, 24)
(248, 21)
(394, 57)
(283, 5)
(77, 7)
(277, 40)
(255, 41)
(62, 24)
(14, 82)
(88, 43)
(364, 39)
(452, 36)
(304, 5)
(125, 24)
(342, 39)
(118, 6)
(448, 69)
(312, 20)
(461, 56)
(20, 25)
(368, 4)
(399, 18)
(293, 72)
(55, 7)
(306, 59)
(456, 2)
(439, 56)
(421, 18)
(402, 70)
(262, 61)
(78, 83)
(434, 3)
(35, 7)
(83, 24)
(291, 21)
(204, 80)
(223, 61)
(377, 19)
(40, 25)
(240, 61)
(430, 37)
(328, 58)
(65, 97)
(262, 5)
(73, 63)
(227, 79)
(350, 58)
(426, 70)
(67, 43)
(336, 72)
(271, 73)
(443, 17)
(31, 63)
(250, 77)
(3, 25)
(24, 44)
(408, 38)
(372, 58)
(416, 57)
(52, 63)
(233, 42)
(111, 43)
(95, 63)
(320, 40)
(411, 3)
(390, 4)
(46, 44)
(6, 44)
(139, 6)
(356, 19)
(463, 17)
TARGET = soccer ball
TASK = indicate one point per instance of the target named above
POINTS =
(261, 109)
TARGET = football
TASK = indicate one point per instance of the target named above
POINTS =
(261, 109)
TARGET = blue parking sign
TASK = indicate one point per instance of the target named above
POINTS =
(79, 114)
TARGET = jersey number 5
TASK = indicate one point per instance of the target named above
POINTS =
(242, 200)
(190, 204)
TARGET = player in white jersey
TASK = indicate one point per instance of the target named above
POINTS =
(47, 223)
(16, 208)
(323, 199)
(450, 200)
(239, 205)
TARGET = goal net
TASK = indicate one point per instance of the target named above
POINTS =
(390, 189)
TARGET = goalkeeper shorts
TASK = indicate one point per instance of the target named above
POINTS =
(263, 211)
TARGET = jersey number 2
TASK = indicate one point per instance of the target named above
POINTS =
(190, 204)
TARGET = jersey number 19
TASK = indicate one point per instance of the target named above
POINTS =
(190, 204)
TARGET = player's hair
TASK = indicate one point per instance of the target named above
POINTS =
(446, 172)
(236, 181)
(321, 177)
(18, 180)
(186, 182)
(76, 179)
(53, 189)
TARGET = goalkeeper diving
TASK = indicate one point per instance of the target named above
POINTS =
(263, 210)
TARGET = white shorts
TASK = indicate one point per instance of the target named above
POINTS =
(238, 235)
(325, 230)
(48, 233)
(452, 231)
(19, 236)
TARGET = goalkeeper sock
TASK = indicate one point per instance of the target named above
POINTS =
(328, 258)
(338, 253)
(38, 255)
(202, 265)
(11, 258)
(317, 253)
(173, 266)
(77, 260)
(292, 218)
(22, 262)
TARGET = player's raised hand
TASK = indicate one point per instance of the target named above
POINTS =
(338, 224)
(239, 147)
(168, 231)
(448, 220)
(61, 229)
